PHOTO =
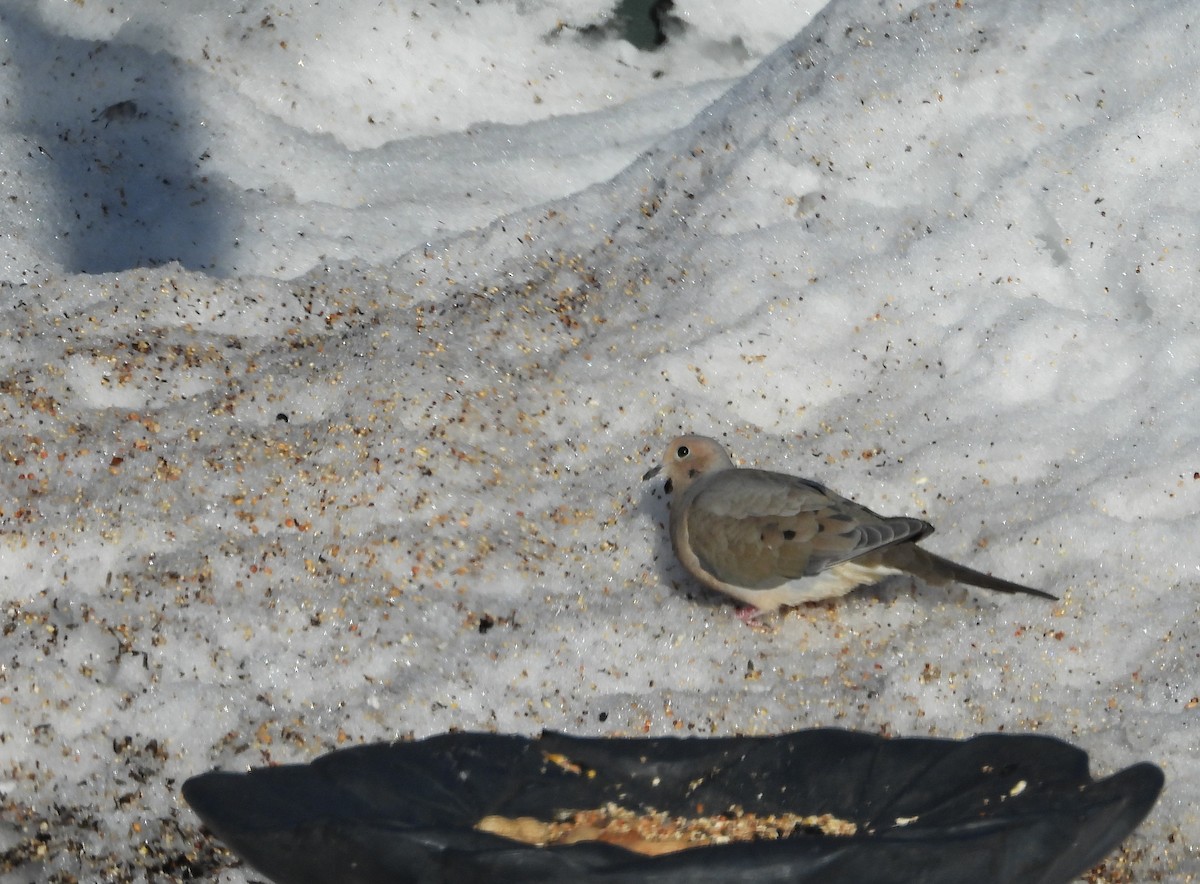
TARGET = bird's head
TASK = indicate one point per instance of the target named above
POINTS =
(687, 458)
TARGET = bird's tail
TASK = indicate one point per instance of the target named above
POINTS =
(936, 570)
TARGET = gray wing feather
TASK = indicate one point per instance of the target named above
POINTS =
(759, 529)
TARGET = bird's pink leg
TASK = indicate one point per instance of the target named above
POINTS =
(749, 615)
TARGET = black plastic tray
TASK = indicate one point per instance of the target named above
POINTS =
(990, 810)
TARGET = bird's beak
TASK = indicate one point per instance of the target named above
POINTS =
(652, 472)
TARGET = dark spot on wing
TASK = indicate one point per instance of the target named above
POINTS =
(789, 535)
(769, 530)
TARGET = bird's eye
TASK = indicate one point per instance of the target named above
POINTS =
(682, 452)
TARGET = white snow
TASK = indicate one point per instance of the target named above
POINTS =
(336, 337)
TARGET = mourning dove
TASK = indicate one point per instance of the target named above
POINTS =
(770, 539)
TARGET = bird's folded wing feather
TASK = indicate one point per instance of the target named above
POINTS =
(758, 529)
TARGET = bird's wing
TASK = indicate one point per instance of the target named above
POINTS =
(760, 529)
